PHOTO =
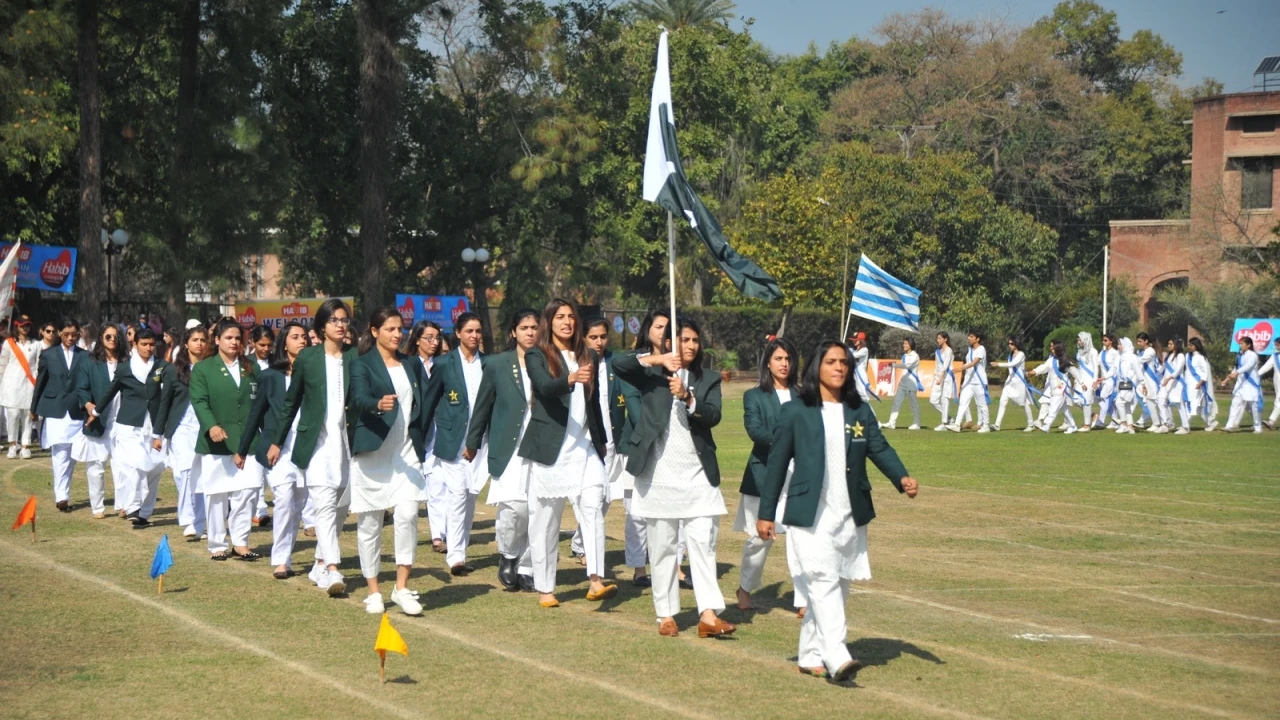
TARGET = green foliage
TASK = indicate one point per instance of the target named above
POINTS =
(1069, 334)
(676, 14)
(745, 330)
(890, 342)
(1212, 310)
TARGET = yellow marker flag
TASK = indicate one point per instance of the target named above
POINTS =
(389, 639)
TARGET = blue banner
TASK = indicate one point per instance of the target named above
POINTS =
(439, 309)
(44, 267)
(1261, 330)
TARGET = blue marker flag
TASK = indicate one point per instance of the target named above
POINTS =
(163, 559)
(881, 297)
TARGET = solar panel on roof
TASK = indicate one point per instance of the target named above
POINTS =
(1269, 65)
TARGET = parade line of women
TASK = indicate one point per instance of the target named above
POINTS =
(554, 421)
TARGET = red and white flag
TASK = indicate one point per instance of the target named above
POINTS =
(9, 280)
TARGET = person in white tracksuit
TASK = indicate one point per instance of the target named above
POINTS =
(1272, 365)
(944, 379)
(1089, 371)
(1173, 388)
(1128, 378)
(1247, 392)
(1062, 376)
(1105, 385)
(974, 385)
(908, 386)
(1148, 386)
(1200, 386)
(860, 377)
(1017, 389)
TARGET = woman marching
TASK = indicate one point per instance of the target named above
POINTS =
(1105, 385)
(137, 437)
(909, 386)
(1128, 373)
(285, 479)
(1247, 392)
(944, 379)
(1017, 389)
(1060, 387)
(1089, 372)
(761, 406)
(261, 338)
(1200, 386)
(1148, 387)
(182, 429)
(565, 444)
(388, 444)
(19, 359)
(499, 421)
(829, 434)
(318, 394)
(93, 447)
(1173, 389)
(223, 387)
(424, 344)
(677, 475)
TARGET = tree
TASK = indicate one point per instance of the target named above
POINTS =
(89, 292)
(676, 14)
(1212, 310)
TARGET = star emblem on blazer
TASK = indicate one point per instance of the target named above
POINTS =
(453, 397)
(622, 401)
(856, 429)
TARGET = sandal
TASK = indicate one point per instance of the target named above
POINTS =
(818, 673)
(282, 574)
(247, 557)
(219, 556)
(438, 546)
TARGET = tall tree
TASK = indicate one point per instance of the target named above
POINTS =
(89, 288)
(380, 79)
(180, 225)
(676, 14)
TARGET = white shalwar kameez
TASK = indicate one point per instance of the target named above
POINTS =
(1272, 365)
(230, 493)
(1173, 391)
(1128, 379)
(137, 459)
(974, 388)
(1200, 396)
(434, 495)
(1059, 391)
(1148, 389)
(16, 389)
(1247, 393)
(58, 436)
(944, 383)
(289, 485)
(181, 459)
(1089, 369)
(463, 480)
(828, 556)
(1108, 370)
(861, 381)
(612, 464)
(327, 474)
(1017, 389)
(388, 477)
(510, 493)
(94, 453)
(755, 550)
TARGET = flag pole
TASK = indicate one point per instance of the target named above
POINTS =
(382, 667)
(671, 272)
(33, 528)
(160, 587)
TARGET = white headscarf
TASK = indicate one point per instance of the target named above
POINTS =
(1126, 348)
(1086, 340)
(139, 368)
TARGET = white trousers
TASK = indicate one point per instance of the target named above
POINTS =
(512, 532)
(309, 513)
(230, 514)
(545, 515)
(18, 423)
(975, 394)
(755, 551)
(575, 543)
(635, 536)
(191, 512)
(1054, 406)
(1238, 406)
(701, 534)
(1208, 410)
(824, 627)
(1275, 411)
(63, 466)
(437, 505)
(290, 500)
(261, 510)
(1124, 410)
(1004, 402)
(939, 400)
(329, 516)
(125, 488)
(145, 484)
(369, 537)
(96, 473)
(1088, 407)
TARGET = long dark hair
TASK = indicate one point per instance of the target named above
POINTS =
(766, 377)
(1243, 339)
(516, 319)
(1017, 345)
(1178, 347)
(279, 355)
(546, 337)
(1197, 345)
(642, 337)
(255, 334)
(379, 318)
(182, 360)
(682, 322)
(99, 351)
(1058, 349)
(419, 330)
(811, 385)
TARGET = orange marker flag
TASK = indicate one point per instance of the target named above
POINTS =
(388, 639)
(27, 515)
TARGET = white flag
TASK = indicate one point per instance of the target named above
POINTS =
(9, 280)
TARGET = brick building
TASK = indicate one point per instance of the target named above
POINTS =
(1235, 194)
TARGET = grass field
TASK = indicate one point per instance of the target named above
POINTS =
(1086, 576)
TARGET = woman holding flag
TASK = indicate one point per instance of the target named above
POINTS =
(18, 360)
(908, 387)
(1060, 386)
(1247, 392)
(1017, 389)
(1200, 386)
(944, 379)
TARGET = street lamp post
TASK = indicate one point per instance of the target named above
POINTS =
(112, 245)
(476, 258)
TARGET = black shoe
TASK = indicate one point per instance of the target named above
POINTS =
(525, 582)
(141, 523)
(643, 581)
(507, 572)
(132, 516)
(461, 570)
(63, 506)
(686, 583)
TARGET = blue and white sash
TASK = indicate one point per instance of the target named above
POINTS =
(950, 373)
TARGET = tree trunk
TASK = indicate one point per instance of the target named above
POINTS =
(379, 83)
(180, 225)
(89, 283)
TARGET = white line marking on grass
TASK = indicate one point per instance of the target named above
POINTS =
(222, 636)
(1046, 637)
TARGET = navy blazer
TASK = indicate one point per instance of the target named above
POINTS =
(55, 393)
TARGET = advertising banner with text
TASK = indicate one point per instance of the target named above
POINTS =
(275, 313)
(439, 309)
(1261, 330)
(44, 267)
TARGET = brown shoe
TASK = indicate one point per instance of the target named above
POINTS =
(309, 532)
(552, 603)
(461, 570)
(438, 546)
(668, 628)
(605, 593)
(716, 629)
(847, 671)
(63, 506)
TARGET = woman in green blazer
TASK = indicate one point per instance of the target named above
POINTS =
(761, 406)
(223, 388)
(287, 482)
(93, 446)
(565, 444)
(830, 434)
(677, 476)
(182, 429)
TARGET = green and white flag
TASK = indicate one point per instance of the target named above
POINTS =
(665, 184)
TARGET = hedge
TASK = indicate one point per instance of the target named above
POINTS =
(745, 330)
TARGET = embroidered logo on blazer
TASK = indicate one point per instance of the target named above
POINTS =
(856, 429)
(622, 401)
(253, 390)
(453, 397)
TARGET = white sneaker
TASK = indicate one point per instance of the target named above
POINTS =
(407, 601)
(25, 454)
(1162, 430)
(1212, 426)
(334, 584)
(1182, 431)
(1257, 430)
(984, 429)
(1068, 431)
(941, 428)
(13, 451)
(1113, 425)
(953, 427)
(995, 428)
(1029, 428)
(373, 604)
(317, 575)
(913, 427)
(1085, 428)
(889, 426)
(1121, 430)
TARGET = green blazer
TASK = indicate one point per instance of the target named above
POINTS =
(217, 401)
(447, 403)
(174, 400)
(92, 381)
(308, 394)
(137, 400)
(370, 381)
(629, 396)
(760, 410)
(500, 410)
(263, 416)
(550, 412)
(655, 413)
(55, 392)
(617, 404)
(800, 436)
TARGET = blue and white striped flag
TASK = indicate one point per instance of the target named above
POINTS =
(879, 296)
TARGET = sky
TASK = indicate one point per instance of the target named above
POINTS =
(1226, 46)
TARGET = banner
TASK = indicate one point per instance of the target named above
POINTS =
(439, 309)
(275, 313)
(1261, 330)
(44, 267)
(885, 378)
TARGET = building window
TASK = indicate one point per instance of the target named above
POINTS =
(1256, 180)
(1258, 124)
